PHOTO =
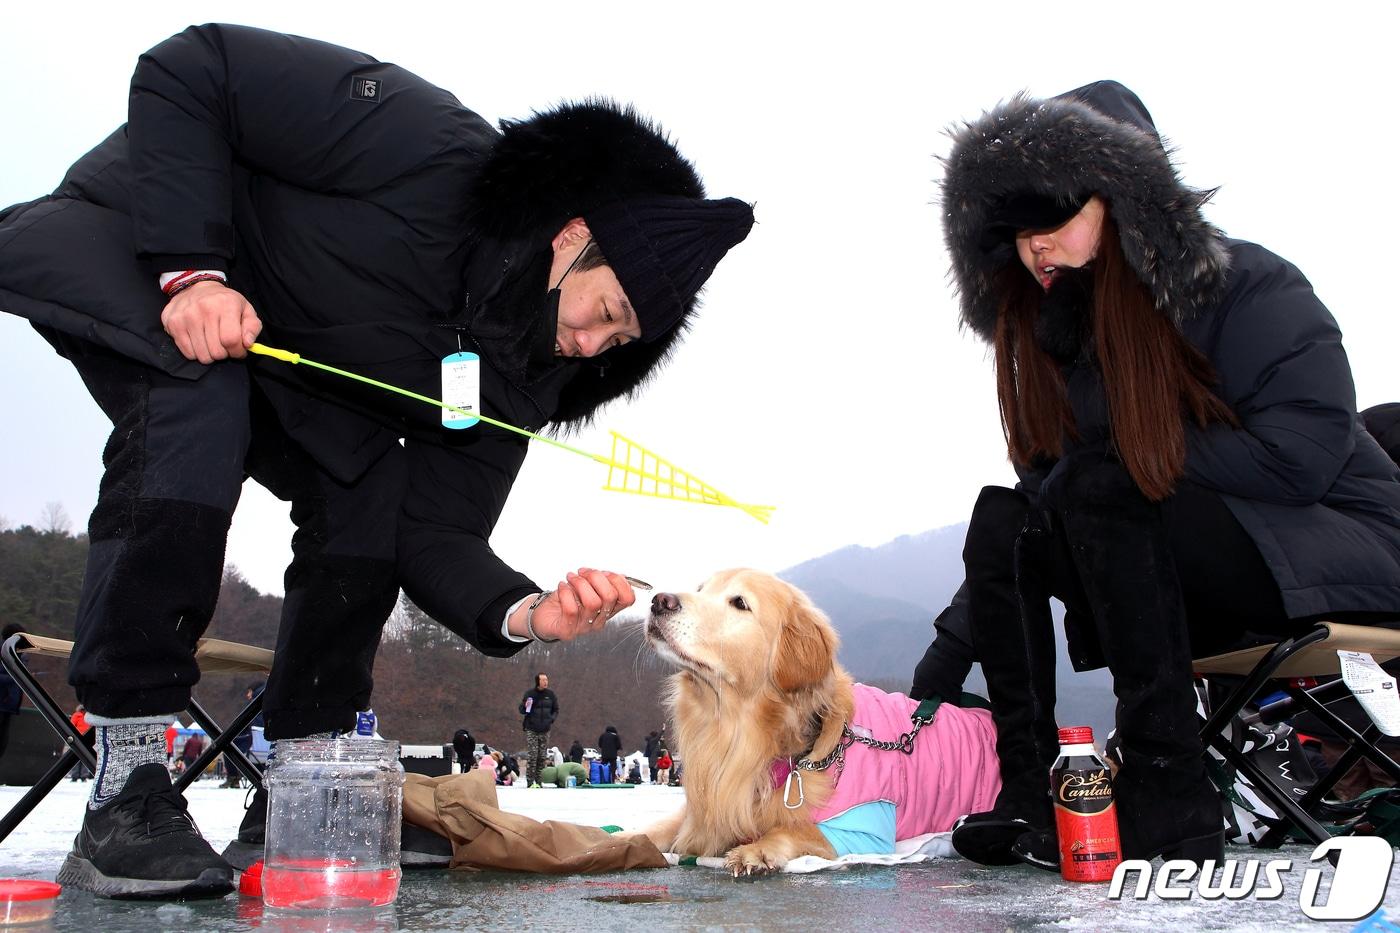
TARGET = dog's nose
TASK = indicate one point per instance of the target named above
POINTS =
(665, 602)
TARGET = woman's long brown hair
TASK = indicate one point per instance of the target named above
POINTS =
(1153, 378)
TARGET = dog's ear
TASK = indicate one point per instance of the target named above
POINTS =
(806, 649)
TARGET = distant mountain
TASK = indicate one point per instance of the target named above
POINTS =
(923, 569)
(883, 601)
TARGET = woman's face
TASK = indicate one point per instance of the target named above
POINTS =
(1045, 253)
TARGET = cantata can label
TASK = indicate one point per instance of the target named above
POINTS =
(1085, 817)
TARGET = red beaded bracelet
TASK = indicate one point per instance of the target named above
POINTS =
(176, 286)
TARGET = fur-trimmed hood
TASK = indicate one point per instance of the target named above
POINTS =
(1066, 148)
(544, 171)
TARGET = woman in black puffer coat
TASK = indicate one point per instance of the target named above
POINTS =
(1182, 416)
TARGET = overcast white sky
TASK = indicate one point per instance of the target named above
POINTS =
(826, 374)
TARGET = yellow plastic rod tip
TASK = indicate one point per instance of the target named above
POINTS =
(285, 356)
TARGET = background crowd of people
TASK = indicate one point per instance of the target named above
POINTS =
(604, 763)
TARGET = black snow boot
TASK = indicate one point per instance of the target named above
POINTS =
(143, 844)
(247, 847)
(1166, 802)
(1013, 634)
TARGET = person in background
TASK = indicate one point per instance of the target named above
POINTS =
(490, 762)
(464, 747)
(10, 694)
(79, 771)
(650, 748)
(244, 740)
(172, 732)
(540, 707)
(663, 767)
(507, 769)
(609, 745)
(1181, 414)
(576, 752)
(194, 747)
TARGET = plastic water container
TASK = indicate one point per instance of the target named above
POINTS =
(334, 813)
(572, 781)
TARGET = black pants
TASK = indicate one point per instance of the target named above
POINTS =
(175, 463)
(340, 586)
(173, 472)
(1227, 589)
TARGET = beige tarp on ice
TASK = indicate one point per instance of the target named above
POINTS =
(463, 808)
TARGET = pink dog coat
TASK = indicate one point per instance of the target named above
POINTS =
(953, 771)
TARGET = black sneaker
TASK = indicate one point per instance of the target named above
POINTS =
(253, 829)
(143, 844)
(247, 848)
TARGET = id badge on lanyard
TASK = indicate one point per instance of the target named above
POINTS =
(461, 388)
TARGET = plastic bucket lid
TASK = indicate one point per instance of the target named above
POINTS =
(24, 889)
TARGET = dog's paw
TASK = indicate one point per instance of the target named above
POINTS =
(752, 861)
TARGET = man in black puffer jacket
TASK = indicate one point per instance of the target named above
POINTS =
(275, 188)
(609, 747)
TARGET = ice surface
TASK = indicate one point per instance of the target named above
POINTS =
(946, 894)
(38, 846)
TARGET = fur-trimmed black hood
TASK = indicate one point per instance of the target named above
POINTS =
(1099, 140)
(543, 172)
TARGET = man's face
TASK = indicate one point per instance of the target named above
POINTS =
(543, 681)
(594, 313)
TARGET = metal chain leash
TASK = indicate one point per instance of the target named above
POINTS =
(905, 743)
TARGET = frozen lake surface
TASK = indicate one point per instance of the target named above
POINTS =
(945, 894)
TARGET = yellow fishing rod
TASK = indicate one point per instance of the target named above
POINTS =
(632, 468)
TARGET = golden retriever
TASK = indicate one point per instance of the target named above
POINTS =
(757, 688)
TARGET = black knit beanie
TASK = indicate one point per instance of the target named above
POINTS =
(663, 249)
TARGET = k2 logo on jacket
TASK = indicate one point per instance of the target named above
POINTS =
(363, 88)
(1363, 866)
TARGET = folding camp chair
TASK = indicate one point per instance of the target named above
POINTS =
(1310, 654)
(213, 656)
